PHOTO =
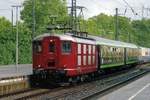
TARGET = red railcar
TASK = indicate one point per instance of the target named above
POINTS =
(64, 55)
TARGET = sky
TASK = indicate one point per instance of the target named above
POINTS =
(93, 7)
(6, 6)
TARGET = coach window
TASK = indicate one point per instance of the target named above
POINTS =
(84, 60)
(89, 60)
(79, 60)
(146, 53)
(66, 46)
(84, 49)
(110, 49)
(52, 47)
(93, 49)
(89, 49)
(79, 48)
(37, 46)
(93, 59)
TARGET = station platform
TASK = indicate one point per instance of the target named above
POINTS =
(137, 90)
(8, 71)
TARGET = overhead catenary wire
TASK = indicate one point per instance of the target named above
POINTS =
(130, 7)
(118, 1)
(133, 11)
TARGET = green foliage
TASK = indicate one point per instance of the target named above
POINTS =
(8, 43)
(44, 9)
(7, 40)
(101, 25)
(141, 32)
(25, 50)
(135, 31)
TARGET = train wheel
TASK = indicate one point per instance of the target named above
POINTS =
(34, 81)
(82, 78)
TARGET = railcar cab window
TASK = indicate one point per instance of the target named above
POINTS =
(51, 47)
(37, 46)
(66, 47)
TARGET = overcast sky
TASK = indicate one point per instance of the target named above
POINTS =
(94, 7)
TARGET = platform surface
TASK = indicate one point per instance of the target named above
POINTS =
(7, 71)
(137, 90)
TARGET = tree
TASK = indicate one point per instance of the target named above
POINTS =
(43, 10)
(25, 41)
(137, 31)
(142, 30)
(125, 28)
(102, 25)
(7, 42)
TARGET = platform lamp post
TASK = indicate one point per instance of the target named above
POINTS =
(17, 9)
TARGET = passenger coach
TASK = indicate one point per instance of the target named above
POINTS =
(114, 54)
(144, 55)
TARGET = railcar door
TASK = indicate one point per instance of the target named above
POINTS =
(67, 59)
(37, 53)
(51, 52)
(98, 56)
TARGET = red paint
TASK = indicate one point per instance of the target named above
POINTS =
(58, 60)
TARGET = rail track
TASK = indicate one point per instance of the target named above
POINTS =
(88, 90)
(81, 91)
(112, 85)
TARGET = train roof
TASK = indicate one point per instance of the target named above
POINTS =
(94, 40)
(61, 36)
(103, 41)
(144, 48)
(66, 37)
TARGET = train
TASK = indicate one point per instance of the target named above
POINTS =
(68, 57)
(144, 55)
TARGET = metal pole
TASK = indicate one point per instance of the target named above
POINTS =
(74, 17)
(33, 25)
(33, 18)
(72, 20)
(12, 20)
(75, 12)
(116, 24)
(143, 11)
(129, 32)
(17, 37)
(17, 7)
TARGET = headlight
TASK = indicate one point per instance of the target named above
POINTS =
(39, 65)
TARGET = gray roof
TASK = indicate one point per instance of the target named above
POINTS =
(103, 41)
(66, 37)
(99, 40)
